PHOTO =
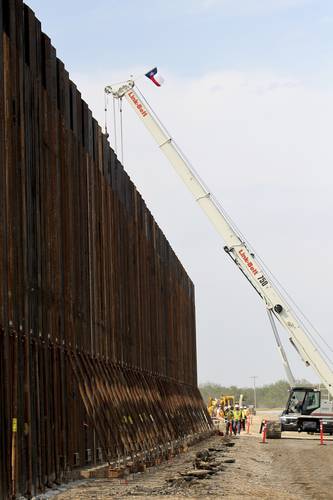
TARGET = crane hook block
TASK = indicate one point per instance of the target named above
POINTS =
(278, 308)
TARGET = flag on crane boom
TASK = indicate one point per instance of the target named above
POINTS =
(152, 75)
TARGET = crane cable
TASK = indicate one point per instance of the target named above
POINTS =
(121, 130)
(116, 120)
(114, 124)
(106, 104)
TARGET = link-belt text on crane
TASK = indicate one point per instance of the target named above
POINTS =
(137, 103)
(262, 280)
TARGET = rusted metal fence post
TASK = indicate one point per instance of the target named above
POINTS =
(97, 315)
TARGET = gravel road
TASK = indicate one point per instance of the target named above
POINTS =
(294, 467)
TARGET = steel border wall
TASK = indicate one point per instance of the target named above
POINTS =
(97, 321)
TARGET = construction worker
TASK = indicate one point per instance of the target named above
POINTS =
(237, 415)
(228, 418)
(248, 415)
(243, 417)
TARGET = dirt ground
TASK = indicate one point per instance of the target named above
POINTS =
(294, 467)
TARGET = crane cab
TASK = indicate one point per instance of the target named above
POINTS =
(303, 400)
(305, 409)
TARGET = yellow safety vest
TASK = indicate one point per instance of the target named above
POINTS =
(237, 414)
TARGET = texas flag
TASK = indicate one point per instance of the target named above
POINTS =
(154, 77)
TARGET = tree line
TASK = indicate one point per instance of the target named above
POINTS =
(268, 396)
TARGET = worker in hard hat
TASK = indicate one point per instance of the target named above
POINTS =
(228, 418)
(248, 414)
(237, 416)
(243, 417)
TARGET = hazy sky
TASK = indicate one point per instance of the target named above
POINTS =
(249, 98)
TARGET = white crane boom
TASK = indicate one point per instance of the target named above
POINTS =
(234, 246)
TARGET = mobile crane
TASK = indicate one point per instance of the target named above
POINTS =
(305, 407)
